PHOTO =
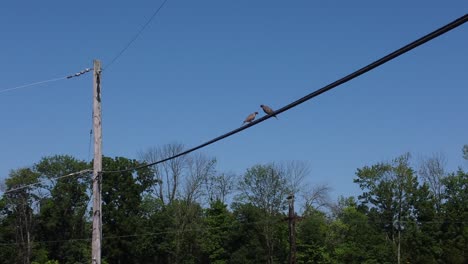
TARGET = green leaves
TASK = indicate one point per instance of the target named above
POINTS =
(65, 208)
(47, 220)
(353, 238)
(218, 225)
(265, 187)
(432, 219)
(122, 195)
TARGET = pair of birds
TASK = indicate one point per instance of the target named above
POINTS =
(265, 108)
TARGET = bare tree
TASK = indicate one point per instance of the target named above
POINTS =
(317, 196)
(180, 185)
(179, 178)
(199, 169)
(167, 173)
(294, 172)
(219, 186)
(432, 170)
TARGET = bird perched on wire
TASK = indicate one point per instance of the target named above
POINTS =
(268, 110)
(250, 117)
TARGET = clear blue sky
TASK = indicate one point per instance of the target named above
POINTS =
(202, 66)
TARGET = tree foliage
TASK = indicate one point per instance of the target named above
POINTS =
(186, 211)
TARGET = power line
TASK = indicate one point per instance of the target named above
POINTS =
(55, 178)
(79, 73)
(32, 84)
(45, 81)
(234, 225)
(137, 35)
(458, 22)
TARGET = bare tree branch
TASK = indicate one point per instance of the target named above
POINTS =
(295, 172)
(200, 169)
(432, 171)
(168, 173)
(317, 196)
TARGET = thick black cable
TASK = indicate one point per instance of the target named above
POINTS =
(458, 22)
(136, 35)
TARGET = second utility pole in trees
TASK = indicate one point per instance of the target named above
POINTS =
(97, 168)
(292, 230)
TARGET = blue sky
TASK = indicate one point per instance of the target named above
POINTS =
(201, 67)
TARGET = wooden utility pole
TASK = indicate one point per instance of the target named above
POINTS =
(292, 230)
(97, 169)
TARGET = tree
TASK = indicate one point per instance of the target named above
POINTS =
(432, 171)
(182, 177)
(21, 201)
(217, 227)
(317, 197)
(219, 187)
(388, 190)
(187, 219)
(122, 194)
(454, 228)
(422, 233)
(168, 173)
(264, 187)
(354, 239)
(294, 172)
(64, 209)
(158, 220)
(199, 169)
(248, 242)
(8, 249)
(311, 237)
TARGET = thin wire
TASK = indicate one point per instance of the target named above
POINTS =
(326, 88)
(32, 84)
(55, 178)
(234, 225)
(136, 36)
(46, 81)
(142, 234)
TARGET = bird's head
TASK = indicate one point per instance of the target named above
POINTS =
(261, 106)
(256, 113)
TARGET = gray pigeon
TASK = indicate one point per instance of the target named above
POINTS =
(250, 118)
(268, 110)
